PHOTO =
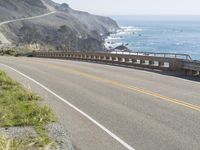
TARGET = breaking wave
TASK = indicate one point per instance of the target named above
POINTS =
(112, 41)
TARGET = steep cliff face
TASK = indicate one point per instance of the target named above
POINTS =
(65, 29)
(12, 9)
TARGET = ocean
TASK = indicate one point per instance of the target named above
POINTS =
(169, 34)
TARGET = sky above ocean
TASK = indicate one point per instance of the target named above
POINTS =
(136, 7)
(171, 26)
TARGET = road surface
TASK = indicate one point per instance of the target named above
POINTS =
(141, 110)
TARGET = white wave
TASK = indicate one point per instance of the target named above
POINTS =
(113, 40)
(178, 44)
(128, 30)
(112, 45)
(131, 28)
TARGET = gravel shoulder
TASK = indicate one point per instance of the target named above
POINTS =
(25, 122)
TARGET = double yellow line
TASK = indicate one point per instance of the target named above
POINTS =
(124, 86)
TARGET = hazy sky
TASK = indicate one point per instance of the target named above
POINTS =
(136, 7)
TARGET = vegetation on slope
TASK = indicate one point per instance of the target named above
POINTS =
(19, 107)
(64, 30)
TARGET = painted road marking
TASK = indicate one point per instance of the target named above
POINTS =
(122, 85)
(126, 86)
(75, 108)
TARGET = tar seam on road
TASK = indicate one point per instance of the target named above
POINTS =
(75, 108)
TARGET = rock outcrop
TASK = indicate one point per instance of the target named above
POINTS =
(66, 29)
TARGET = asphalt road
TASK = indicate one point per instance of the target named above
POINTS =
(145, 110)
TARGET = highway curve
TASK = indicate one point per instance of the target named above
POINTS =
(113, 108)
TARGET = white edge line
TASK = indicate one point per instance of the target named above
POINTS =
(77, 109)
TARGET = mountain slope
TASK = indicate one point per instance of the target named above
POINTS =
(65, 29)
(13, 9)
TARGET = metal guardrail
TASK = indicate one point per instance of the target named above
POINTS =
(168, 55)
(191, 65)
(180, 64)
(153, 62)
(25, 54)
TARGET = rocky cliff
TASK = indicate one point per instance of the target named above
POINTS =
(65, 29)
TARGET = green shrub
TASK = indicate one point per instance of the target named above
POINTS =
(19, 107)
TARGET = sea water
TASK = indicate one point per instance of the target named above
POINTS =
(168, 34)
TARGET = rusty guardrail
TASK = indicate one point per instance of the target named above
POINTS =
(147, 61)
(168, 55)
(191, 67)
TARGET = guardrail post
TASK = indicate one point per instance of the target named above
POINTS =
(134, 61)
(195, 72)
(101, 57)
(120, 59)
(151, 63)
(190, 72)
(136, 58)
(161, 64)
(127, 60)
(198, 73)
(143, 62)
(123, 60)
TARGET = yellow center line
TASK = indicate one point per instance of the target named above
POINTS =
(124, 86)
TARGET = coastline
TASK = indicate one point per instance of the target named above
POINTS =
(157, 37)
(115, 39)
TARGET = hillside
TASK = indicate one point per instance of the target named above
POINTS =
(64, 29)
(17, 9)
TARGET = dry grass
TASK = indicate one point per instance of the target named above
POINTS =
(15, 144)
(19, 107)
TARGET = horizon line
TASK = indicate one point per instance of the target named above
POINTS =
(197, 15)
